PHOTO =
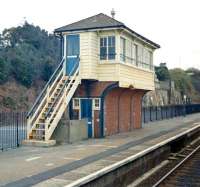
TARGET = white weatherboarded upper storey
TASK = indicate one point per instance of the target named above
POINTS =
(110, 51)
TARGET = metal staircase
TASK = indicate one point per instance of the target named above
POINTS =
(52, 102)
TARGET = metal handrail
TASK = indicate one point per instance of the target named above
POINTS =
(70, 74)
(45, 88)
(137, 62)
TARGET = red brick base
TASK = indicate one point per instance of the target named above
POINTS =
(122, 110)
(122, 107)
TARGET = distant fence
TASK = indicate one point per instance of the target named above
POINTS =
(155, 113)
(12, 129)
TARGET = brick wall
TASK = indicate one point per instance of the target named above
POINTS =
(122, 107)
(122, 110)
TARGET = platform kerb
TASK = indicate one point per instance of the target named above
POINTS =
(38, 143)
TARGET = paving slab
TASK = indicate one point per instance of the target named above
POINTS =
(64, 164)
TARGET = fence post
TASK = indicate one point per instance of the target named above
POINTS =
(144, 115)
(184, 109)
(150, 113)
(17, 129)
(1, 131)
(156, 113)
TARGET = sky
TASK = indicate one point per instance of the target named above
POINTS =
(174, 24)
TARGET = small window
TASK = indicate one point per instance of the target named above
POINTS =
(96, 104)
(76, 103)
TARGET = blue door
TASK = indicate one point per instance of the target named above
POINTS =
(86, 112)
(73, 51)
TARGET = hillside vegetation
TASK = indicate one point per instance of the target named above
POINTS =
(29, 55)
(186, 82)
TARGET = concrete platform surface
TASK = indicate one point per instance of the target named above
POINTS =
(71, 163)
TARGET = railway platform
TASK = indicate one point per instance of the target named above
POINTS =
(80, 163)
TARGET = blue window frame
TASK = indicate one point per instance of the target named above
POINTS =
(107, 48)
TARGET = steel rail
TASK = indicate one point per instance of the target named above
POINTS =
(176, 167)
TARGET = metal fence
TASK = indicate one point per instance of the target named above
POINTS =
(13, 125)
(12, 129)
(155, 113)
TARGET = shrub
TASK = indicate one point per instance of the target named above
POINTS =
(4, 71)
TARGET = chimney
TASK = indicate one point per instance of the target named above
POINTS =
(113, 13)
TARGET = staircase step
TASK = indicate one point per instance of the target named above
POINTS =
(39, 129)
(39, 143)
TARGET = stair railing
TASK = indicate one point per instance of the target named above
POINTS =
(61, 105)
(62, 89)
(35, 109)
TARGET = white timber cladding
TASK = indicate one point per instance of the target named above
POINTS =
(88, 55)
(127, 73)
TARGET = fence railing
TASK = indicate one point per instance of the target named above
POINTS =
(13, 125)
(13, 129)
(154, 113)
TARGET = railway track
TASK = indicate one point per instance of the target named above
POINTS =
(182, 169)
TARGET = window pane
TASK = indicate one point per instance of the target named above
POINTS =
(133, 51)
(122, 49)
(151, 60)
(140, 56)
(111, 47)
(105, 42)
(109, 41)
(103, 51)
(72, 45)
(111, 53)
(128, 51)
(113, 41)
(101, 42)
(103, 48)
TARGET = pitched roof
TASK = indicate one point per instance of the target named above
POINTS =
(100, 21)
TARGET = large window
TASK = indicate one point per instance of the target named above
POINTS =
(107, 48)
(128, 51)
